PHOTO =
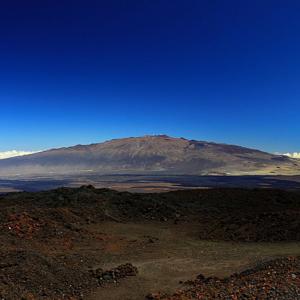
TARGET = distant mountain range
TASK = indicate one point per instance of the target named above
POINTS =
(158, 154)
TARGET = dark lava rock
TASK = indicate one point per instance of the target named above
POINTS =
(39, 233)
(31, 275)
(113, 275)
(269, 280)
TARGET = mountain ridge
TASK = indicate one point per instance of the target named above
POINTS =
(151, 154)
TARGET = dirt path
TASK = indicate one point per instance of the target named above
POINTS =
(166, 254)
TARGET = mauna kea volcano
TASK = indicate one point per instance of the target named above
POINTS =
(159, 154)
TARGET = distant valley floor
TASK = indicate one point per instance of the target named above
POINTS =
(149, 183)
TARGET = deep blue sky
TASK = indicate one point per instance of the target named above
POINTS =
(85, 71)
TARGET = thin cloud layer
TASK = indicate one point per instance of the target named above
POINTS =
(14, 153)
(293, 155)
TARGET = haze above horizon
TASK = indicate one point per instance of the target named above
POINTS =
(79, 72)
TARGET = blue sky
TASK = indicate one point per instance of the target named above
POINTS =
(85, 71)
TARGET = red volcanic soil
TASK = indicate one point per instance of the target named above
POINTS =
(89, 243)
(277, 279)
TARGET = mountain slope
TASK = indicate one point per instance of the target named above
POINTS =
(151, 154)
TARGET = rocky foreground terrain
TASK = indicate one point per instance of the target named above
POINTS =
(277, 279)
(89, 243)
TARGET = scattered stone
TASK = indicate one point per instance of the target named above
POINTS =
(113, 275)
(268, 280)
(39, 233)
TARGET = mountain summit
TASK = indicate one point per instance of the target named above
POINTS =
(158, 154)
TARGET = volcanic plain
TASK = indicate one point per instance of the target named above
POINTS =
(88, 243)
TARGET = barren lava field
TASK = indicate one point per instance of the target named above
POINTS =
(87, 243)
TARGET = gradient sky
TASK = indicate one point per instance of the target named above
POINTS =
(85, 71)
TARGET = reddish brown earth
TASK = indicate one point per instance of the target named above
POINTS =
(277, 279)
(91, 243)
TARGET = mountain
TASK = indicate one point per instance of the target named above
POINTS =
(159, 154)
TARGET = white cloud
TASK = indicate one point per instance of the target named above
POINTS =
(14, 153)
(293, 155)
